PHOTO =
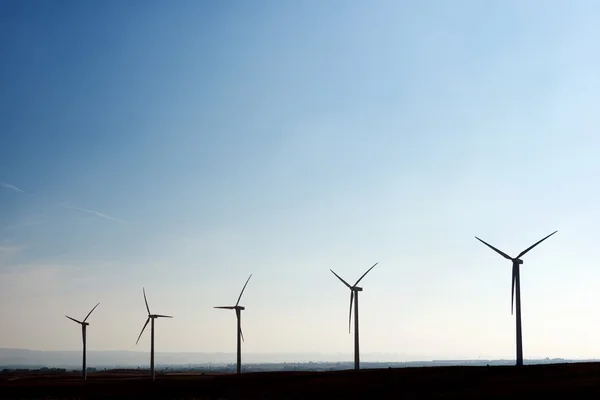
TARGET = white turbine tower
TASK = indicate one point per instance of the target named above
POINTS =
(516, 289)
(151, 317)
(354, 297)
(240, 336)
(83, 335)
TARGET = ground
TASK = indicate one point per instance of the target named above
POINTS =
(575, 380)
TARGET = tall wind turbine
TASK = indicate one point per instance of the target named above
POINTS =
(151, 317)
(83, 335)
(240, 336)
(354, 297)
(516, 287)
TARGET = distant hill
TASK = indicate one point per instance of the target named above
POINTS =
(12, 358)
(136, 358)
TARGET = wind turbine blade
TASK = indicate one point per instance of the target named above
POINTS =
(73, 319)
(146, 300)
(495, 249)
(350, 315)
(163, 316)
(343, 281)
(242, 334)
(535, 244)
(363, 275)
(242, 292)
(226, 307)
(86, 317)
(146, 324)
(512, 290)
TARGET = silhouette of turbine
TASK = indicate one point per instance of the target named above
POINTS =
(240, 336)
(354, 297)
(83, 335)
(151, 317)
(516, 288)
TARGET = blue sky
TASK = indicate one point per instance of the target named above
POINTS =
(183, 146)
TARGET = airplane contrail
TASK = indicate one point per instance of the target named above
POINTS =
(97, 213)
(11, 187)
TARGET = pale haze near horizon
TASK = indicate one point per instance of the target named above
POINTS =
(183, 146)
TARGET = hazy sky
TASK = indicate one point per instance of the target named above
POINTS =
(181, 146)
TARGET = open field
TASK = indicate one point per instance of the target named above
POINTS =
(575, 380)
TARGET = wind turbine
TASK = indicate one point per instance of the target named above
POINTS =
(516, 287)
(240, 336)
(83, 335)
(354, 297)
(151, 317)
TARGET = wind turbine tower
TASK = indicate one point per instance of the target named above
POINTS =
(151, 317)
(240, 336)
(83, 335)
(516, 288)
(354, 289)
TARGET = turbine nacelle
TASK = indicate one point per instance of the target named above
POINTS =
(516, 260)
(237, 308)
(83, 323)
(153, 316)
(150, 317)
(238, 313)
(354, 289)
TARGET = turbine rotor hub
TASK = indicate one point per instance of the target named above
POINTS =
(518, 261)
(357, 289)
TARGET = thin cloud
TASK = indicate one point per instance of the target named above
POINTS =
(96, 213)
(11, 187)
(8, 252)
(10, 248)
(26, 224)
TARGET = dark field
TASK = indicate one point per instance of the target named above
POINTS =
(576, 380)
